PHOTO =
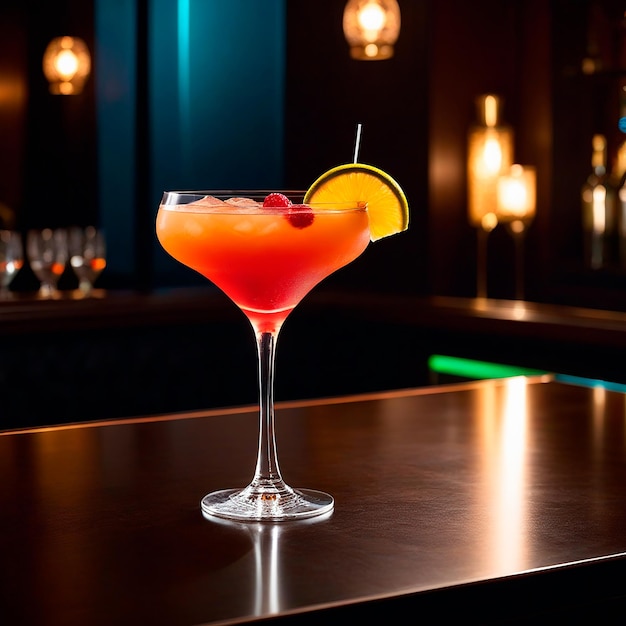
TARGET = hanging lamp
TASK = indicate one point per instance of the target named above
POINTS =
(371, 28)
(66, 65)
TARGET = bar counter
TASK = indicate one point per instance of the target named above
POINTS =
(504, 500)
(28, 313)
(118, 354)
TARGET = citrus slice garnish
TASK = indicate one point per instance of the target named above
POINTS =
(387, 205)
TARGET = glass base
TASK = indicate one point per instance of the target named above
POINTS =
(274, 506)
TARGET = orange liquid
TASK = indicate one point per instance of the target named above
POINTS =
(262, 262)
(97, 264)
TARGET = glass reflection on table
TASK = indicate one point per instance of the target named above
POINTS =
(268, 592)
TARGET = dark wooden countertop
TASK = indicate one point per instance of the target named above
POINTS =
(502, 499)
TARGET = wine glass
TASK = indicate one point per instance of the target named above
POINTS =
(266, 258)
(87, 253)
(47, 255)
(11, 259)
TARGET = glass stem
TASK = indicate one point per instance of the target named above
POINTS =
(267, 473)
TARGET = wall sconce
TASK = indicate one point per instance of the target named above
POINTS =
(66, 65)
(371, 28)
(517, 196)
(517, 202)
(490, 154)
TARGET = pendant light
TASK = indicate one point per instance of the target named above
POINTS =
(66, 65)
(371, 28)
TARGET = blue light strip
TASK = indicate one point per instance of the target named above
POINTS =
(589, 382)
(184, 76)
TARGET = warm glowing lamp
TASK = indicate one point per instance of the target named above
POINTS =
(490, 154)
(517, 202)
(371, 27)
(517, 196)
(66, 65)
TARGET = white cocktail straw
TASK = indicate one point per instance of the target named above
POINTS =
(357, 143)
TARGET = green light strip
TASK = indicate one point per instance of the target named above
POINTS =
(478, 370)
(470, 368)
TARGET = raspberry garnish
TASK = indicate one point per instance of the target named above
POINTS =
(300, 215)
(276, 200)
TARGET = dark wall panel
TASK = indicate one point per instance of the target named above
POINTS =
(329, 93)
(13, 98)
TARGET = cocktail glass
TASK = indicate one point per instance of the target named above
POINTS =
(47, 255)
(87, 253)
(265, 260)
(11, 259)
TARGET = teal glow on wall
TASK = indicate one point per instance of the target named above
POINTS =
(216, 90)
(217, 76)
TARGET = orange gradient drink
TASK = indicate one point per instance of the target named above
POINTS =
(266, 251)
(266, 259)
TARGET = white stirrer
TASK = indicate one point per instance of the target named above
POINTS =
(357, 143)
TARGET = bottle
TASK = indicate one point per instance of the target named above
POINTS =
(598, 211)
(620, 203)
(618, 175)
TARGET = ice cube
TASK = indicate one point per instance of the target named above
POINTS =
(208, 201)
(243, 203)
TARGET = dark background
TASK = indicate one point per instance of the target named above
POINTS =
(416, 109)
